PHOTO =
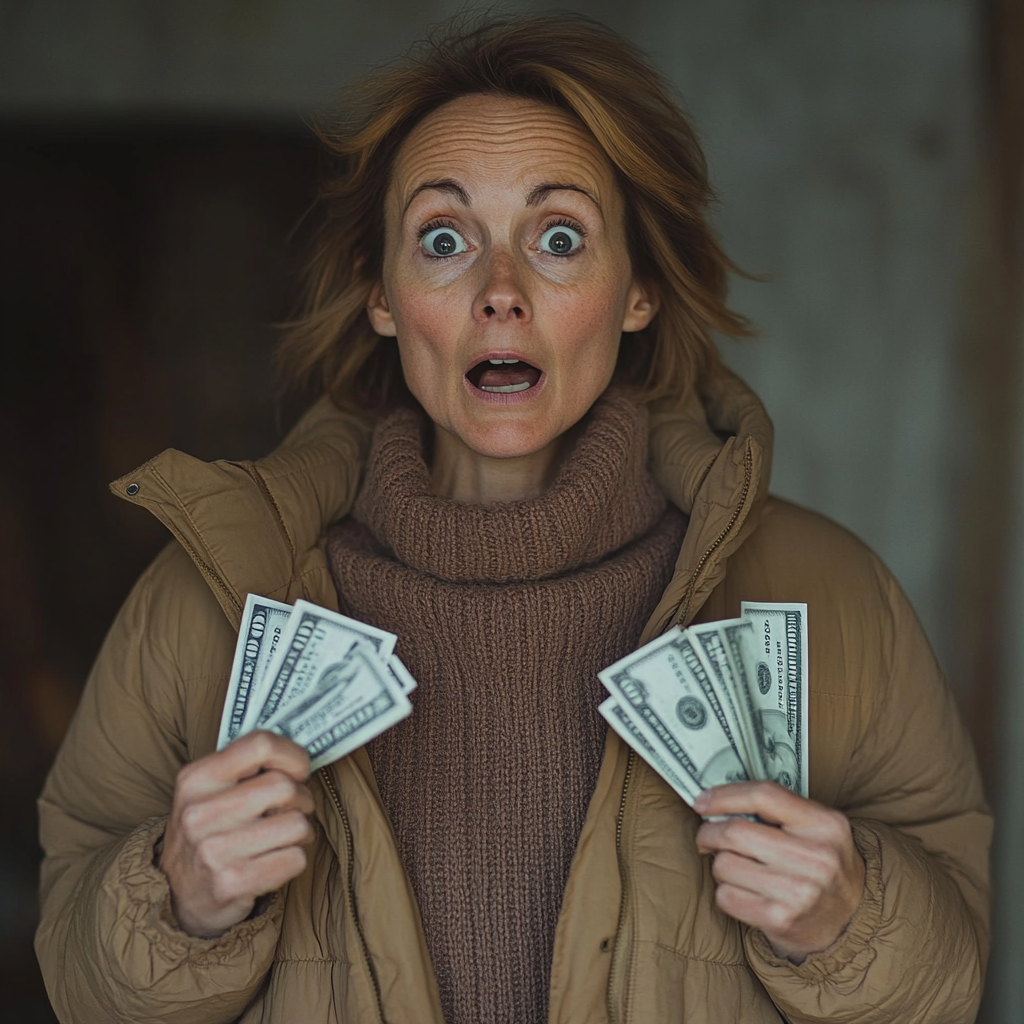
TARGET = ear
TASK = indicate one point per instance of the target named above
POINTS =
(641, 305)
(379, 312)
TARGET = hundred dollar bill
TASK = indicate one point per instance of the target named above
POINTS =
(779, 689)
(674, 712)
(315, 638)
(713, 641)
(358, 700)
(263, 623)
(621, 721)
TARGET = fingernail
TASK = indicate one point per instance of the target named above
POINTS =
(701, 802)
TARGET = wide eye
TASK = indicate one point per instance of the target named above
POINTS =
(560, 240)
(443, 242)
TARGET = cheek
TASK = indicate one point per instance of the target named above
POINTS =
(426, 341)
(591, 329)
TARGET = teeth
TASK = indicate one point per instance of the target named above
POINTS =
(499, 362)
(506, 389)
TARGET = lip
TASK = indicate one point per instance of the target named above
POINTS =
(513, 398)
(504, 353)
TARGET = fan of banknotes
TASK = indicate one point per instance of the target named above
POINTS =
(718, 702)
(324, 680)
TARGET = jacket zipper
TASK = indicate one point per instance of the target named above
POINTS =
(350, 892)
(748, 472)
(613, 1016)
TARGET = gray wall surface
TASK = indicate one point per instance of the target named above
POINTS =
(840, 139)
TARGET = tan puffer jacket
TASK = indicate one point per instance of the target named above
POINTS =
(639, 939)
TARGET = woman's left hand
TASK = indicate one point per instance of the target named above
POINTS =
(800, 882)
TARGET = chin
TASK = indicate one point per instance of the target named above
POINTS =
(506, 440)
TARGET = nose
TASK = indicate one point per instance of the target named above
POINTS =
(502, 297)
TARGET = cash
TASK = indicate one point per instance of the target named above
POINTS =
(718, 702)
(324, 680)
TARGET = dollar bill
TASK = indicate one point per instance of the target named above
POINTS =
(621, 721)
(779, 689)
(314, 638)
(263, 623)
(713, 641)
(356, 699)
(678, 717)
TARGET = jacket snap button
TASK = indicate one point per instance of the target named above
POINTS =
(132, 490)
(604, 945)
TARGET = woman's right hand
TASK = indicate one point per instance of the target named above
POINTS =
(236, 831)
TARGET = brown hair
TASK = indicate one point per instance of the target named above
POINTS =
(581, 67)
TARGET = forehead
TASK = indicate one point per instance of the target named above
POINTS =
(502, 141)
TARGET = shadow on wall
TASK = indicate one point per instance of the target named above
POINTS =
(142, 268)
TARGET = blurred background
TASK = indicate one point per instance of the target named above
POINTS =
(155, 163)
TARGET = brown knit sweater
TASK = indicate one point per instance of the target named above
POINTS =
(504, 613)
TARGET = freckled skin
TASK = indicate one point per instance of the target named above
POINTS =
(563, 314)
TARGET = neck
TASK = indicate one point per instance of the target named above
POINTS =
(464, 475)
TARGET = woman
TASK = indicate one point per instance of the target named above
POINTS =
(515, 292)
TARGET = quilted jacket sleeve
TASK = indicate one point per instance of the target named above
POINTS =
(915, 950)
(108, 945)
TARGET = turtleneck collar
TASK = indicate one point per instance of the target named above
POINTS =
(602, 498)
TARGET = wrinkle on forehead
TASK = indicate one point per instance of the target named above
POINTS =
(476, 134)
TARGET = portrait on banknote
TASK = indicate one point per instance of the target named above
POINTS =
(504, 689)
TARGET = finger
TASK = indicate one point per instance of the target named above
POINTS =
(302, 801)
(241, 759)
(793, 891)
(764, 843)
(229, 809)
(271, 870)
(768, 800)
(745, 906)
(225, 850)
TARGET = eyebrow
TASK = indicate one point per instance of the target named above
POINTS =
(536, 195)
(539, 193)
(446, 185)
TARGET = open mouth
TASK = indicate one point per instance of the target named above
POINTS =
(503, 376)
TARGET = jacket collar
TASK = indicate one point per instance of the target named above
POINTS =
(258, 526)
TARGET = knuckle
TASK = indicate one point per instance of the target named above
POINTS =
(830, 862)
(727, 898)
(838, 825)
(780, 917)
(805, 895)
(262, 744)
(731, 831)
(723, 863)
(187, 775)
(225, 885)
(289, 825)
(278, 788)
(302, 828)
(191, 819)
(210, 853)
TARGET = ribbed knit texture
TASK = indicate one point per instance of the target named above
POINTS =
(504, 613)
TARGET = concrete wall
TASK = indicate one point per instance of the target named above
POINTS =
(840, 138)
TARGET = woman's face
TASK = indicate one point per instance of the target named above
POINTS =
(507, 279)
